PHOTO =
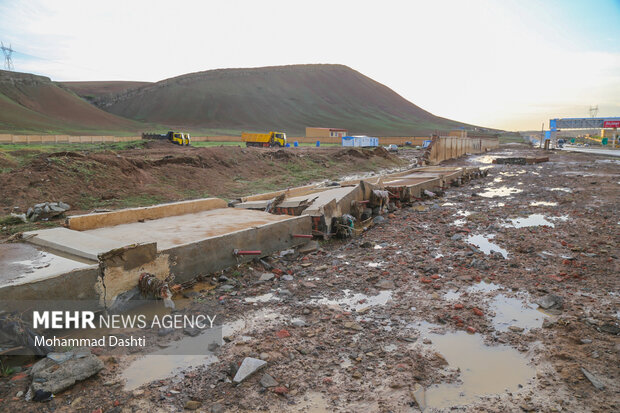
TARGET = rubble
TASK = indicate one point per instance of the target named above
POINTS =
(248, 367)
(46, 210)
(58, 372)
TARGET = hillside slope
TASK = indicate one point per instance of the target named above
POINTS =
(287, 98)
(34, 104)
(96, 89)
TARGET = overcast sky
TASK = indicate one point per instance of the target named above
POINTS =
(503, 64)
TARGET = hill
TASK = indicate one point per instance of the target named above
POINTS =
(93, 90)
(34, 104)
(287, 98)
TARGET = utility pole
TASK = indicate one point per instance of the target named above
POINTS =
(593, 111)
(8, 60)
(542, 134)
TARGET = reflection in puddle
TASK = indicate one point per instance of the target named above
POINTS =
(186, 353)
(511, 311)
(535, 220)
(483, 286)
(485, 245)
(357, 301)
(484, 370)
(499, 191)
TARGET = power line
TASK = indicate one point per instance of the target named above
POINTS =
(8, 59)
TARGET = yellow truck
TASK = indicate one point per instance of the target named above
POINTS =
(264, 139)
(179, 138)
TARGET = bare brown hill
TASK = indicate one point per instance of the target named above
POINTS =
(287, 98)
(93, 90)
(34, 104)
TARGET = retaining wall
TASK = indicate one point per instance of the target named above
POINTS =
(451, 147)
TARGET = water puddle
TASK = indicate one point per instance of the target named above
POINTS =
(459, 222)
(499, 192)
(534, 220)
(543, 203)
(484, 370)
(483, 287)
(485, 245)
(514, 312)
(560, 189)
(261, 298)
(357, 302)
(191, 352)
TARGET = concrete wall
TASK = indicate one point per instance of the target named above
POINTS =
(450, 147)
(124, 216)
(39, 139)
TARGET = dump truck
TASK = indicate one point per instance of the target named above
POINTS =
(264, 139)
(179, 138)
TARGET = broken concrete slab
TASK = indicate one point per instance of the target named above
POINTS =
(595, 382)
(52, 376)
(248, 367)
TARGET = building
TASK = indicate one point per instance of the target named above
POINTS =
(325, 133)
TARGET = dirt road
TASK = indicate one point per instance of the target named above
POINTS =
(433, 309)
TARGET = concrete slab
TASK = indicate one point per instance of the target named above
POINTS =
(24, 263)
(77, 243)
(185, 229)
(124, 216)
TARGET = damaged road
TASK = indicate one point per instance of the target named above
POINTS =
(502, 295)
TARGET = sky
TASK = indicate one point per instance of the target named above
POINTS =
(497, 63)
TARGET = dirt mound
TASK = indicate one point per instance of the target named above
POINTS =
(164, 172)
(287, 98)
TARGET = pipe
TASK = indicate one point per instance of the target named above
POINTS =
(241, 252)
(301, 236)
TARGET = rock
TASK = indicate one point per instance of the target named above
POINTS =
(287, 277)
(217, 408)
(192, 405)
(457, 237)
(595, 382)
(266, 276)
(268, 381)
(550, 301)
(226, 287)
(351, 325)
(586, 341)
(280, 390)
(357, 375)
(42, 396)
(283, 334)
(385, 285)
(50, 376)
(309, 247)
(378, 219)
(192, 331)
(299, 323)
(516, 329)
(248, 367)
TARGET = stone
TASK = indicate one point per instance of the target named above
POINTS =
(419, 395)
(457, 237)
(192, 405)
(378, 219)
(217, 408)
(309, 247)
(385, 285)
(267, 381)
(516, 329)
(248, 367)
(595, 382)
(287, 277)
(266, 276)
(50, 376)
(550, 301)
(351, 325)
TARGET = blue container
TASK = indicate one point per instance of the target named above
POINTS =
(318, 143)
(295, 144)
(288, 145)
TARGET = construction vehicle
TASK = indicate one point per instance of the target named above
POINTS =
(179, 138)
(264, 139)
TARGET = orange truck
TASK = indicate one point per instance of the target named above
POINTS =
(264, 139)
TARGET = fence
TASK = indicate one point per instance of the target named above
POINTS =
(38, 139)
(450, 147)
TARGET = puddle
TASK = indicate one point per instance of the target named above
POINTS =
(510, 311)
(483, 287)
(261, 298)
(462, 213)
(499, 192)
(498, 179)
(452, 295)
(485, 245)
(484, 370)
(560, 189)
(357, 302)
(459, 222)
(374, 264)
(543, 203)
(448, 204)
(187, 353)
(534, 220)
(190, 352)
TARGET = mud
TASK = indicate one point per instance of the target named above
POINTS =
(457, 329)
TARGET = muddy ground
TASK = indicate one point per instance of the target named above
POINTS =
(436, 305)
